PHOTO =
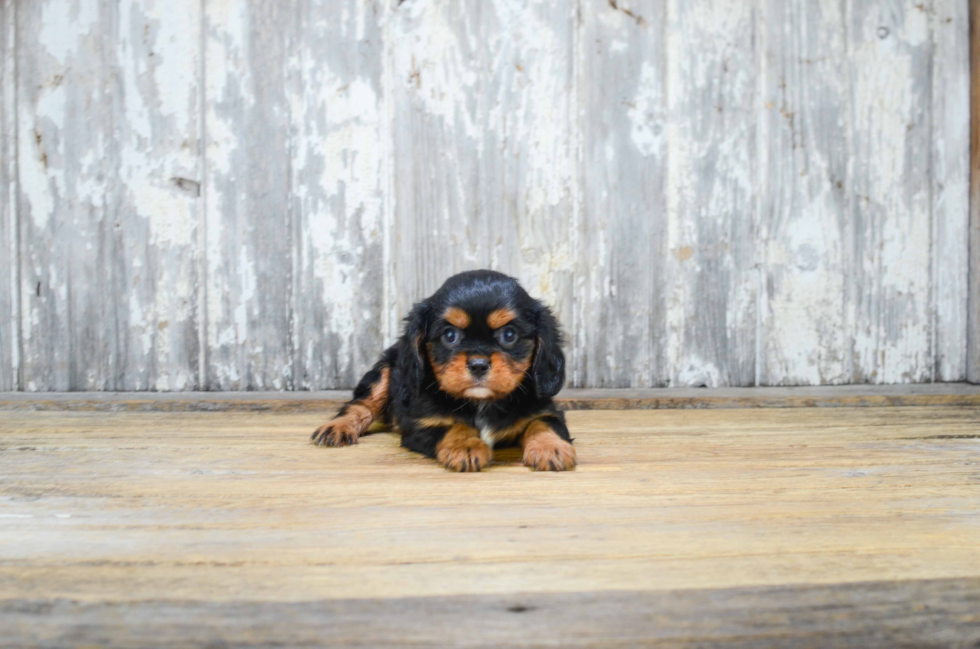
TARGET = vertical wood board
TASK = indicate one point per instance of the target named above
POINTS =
(712, 193)
(620, 281)
(65, 166)
(156, 193)
(950, 186)
(9, 290)
(804, 230)
(338, 189)
(973, 312)
(891, 279)
(248, 180)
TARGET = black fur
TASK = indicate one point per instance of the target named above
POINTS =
(414, 392)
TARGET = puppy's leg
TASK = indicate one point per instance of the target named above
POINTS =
(547, 445)
(457, 446)
(461, 449)
(369, 402)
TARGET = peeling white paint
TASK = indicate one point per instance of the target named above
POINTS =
(647, 124)
(694, 223)
(892, 334)
(710, 192)
(62, 22)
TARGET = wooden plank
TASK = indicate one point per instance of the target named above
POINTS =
(156, 133)
(973, 317)
(892, 209)
(805, 227)
(619, 338)
(249, 221)
(483, 156)
(712, 193)
(526, 222)
(65, 160)
(239, 507)
(950, 185)
(9, 271)
(338, 195)
(438, 131)
(870, 614)
(324, 402)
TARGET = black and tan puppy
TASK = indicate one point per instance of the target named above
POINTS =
(476, 367)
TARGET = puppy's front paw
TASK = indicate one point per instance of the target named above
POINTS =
(465, 455)
(548, 452)
(341, 431)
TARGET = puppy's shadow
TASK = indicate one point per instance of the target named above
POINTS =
(510, 456)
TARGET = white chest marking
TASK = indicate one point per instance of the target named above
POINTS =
(486, 434)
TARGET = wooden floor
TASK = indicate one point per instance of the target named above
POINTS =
(790, 527)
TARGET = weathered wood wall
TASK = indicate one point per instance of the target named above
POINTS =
(973, 315)
(249, 194)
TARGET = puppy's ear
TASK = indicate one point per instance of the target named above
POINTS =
(412, 362)
(548, 369)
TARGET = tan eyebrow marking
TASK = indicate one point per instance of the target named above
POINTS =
(457, 317)
(500, 317)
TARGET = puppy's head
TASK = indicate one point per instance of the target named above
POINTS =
(485, 337)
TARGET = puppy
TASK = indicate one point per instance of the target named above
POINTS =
(476, 367)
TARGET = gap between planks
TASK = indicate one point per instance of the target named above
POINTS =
(934, 394)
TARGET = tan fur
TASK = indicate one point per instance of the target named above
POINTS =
(432, 422)
(453, 377)
(500, 317)
(457, 317)
(544, 450)
(463, 450)
(505, 373)
(503, 378)
(357, 418)
(378, 397)
(516, 429)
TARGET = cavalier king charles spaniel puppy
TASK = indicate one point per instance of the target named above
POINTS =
(476, 367)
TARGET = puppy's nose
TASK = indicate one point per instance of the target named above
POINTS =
(478, 365)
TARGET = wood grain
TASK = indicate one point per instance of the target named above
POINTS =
(338, 187)
(156, 92)
(250, 226)
(325, 402)
(250, 195)
(712, 277)
(483, 158)
(108, 171)
(973, 313)
(950, 186)
(620, 331)
(804, 226)
(67, 221)
(437, 77)
(9, 246)
(891, 144)
(862, 615)
(108, 516)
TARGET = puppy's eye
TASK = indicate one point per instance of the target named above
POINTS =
(507, 336)
(451, 337)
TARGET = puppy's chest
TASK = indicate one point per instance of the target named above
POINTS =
(493, 430)
(486, 428)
